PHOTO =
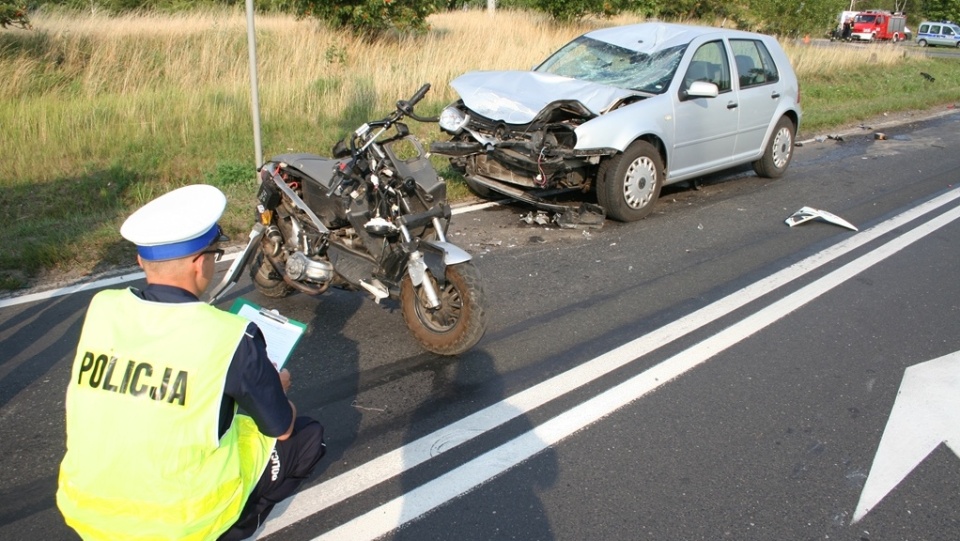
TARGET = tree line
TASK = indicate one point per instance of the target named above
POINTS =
(376, 18)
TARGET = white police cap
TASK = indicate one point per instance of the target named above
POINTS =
(176, 224)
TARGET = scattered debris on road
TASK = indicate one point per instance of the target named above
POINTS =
(585, 216)
(538, 217)
(806, 214)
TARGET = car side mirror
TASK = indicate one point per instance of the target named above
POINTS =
(701, 89)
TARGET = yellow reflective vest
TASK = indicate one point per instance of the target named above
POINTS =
(144, 460)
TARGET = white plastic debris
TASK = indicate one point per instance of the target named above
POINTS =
(806, 214)
(537, 217)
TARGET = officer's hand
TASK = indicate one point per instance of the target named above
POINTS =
(285, 379)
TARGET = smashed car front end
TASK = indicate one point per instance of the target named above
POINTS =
(521, 127)
(528, 138)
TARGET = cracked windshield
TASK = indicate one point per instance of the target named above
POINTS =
(591, 60)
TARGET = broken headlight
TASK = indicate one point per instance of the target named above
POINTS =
(453, 120)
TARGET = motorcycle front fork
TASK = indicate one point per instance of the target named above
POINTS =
(418, 269)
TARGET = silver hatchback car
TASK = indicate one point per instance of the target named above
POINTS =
(624, 111)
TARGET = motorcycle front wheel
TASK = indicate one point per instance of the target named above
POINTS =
(458, 323)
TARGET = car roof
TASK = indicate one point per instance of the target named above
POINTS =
(646, 37)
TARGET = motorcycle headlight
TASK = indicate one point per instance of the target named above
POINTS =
(452, 120)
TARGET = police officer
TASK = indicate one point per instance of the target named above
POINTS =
(155, 446)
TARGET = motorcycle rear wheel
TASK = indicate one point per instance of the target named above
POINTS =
(458, 323)
(266, 279)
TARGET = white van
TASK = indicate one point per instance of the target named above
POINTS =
(933, 33)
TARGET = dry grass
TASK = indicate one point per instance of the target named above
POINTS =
(303, 66)
(139, 53)
(810, 61)
(114, 110)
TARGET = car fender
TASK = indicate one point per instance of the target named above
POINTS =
(790, 88)
(617, 129)
(792, 112)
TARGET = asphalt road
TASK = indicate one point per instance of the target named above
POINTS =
(706, 373)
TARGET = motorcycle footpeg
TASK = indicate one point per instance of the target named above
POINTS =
(375, 288)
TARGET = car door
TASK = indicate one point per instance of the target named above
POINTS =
(760, 91)
(947, 36)
(705, 128)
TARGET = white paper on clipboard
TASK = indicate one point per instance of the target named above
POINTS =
(281, 333)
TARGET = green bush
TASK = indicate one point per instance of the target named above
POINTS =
(572, 10)
(942, 10)
(13, 15)
(372, 18)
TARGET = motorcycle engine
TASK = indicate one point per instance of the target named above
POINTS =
(301, 268)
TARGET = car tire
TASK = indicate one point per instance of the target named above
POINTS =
(776, 157)
(629, 183)
(922, 43)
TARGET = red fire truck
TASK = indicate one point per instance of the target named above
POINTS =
(873, 25)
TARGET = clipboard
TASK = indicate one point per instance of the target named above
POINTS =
(281, 333)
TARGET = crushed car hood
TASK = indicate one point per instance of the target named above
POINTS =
(516, 97)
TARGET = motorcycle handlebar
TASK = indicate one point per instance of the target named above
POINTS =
(419, 95)
(406, 106)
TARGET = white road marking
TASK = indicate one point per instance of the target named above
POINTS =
(924, 415)
(393, 463)
(69, 290)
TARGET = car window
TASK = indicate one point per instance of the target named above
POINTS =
(770, 71)
(709, 64)
(924, 28)
(754, 64)
(935, 29)
(947, 31)
(592, 60)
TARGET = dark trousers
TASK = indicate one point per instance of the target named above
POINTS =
(292, 461)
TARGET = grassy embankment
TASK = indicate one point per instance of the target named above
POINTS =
(99, 115)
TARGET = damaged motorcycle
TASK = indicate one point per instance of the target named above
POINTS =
(372, 218)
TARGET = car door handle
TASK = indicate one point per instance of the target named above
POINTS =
(732, 105)
(775, 95)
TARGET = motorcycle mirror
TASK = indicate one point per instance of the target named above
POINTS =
(340, 150)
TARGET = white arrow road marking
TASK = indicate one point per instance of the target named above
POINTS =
(925, 414)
